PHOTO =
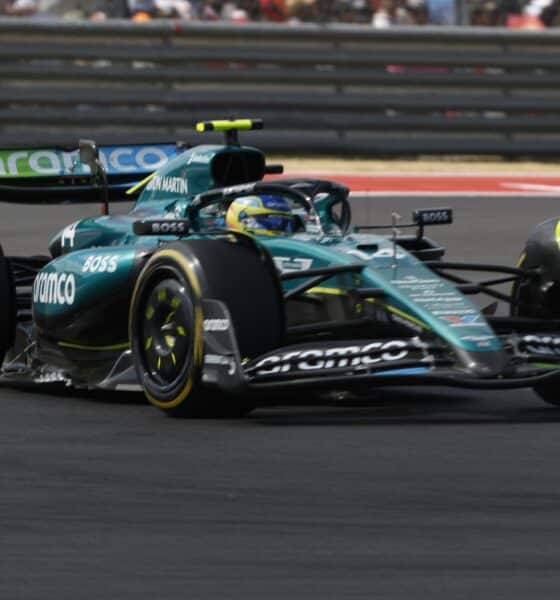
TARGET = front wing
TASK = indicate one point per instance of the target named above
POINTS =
(527, 360)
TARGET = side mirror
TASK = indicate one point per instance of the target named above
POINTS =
(89, 154)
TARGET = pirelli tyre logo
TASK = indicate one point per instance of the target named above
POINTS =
(352, 357)
(54, 288)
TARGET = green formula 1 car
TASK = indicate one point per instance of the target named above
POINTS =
(220, 286)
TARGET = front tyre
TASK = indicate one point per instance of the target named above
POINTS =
(166, 319)
(166, 334)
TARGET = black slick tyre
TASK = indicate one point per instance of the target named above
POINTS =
(166, 320)
(540, 298)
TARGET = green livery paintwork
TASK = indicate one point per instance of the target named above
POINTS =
(98, 273)
(190, 173)
(412, 287)
(414, 292)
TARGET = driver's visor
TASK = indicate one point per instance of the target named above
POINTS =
(273, 222)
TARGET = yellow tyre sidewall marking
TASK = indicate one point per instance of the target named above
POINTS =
(198, 340)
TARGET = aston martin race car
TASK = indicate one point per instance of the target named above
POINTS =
(222, 286)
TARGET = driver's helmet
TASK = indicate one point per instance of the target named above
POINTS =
(265, 214)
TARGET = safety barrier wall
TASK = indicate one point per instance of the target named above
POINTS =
(319, 88)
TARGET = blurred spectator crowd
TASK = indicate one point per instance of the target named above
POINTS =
(527, 14)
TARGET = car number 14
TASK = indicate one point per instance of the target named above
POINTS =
(98, 263)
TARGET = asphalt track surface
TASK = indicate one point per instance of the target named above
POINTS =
(408, 494)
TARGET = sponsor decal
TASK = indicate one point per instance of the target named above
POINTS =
(166, 227)
(287, 264)
(221, 361)
(174, 185)
(451, 311)
(464, 320)
(447, 304)
(115, 159)
(51, 376)
(412, 282)
(352, 357)
(540, 344)
(481, 341)
(68, 235)
(199, 158)
(216, 324)
(54, 288)
(97, 263)
(396, 252)
(239, 189)
(433, 216)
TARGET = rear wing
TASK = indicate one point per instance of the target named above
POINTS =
(56, 175)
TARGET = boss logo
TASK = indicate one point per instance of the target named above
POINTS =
(169, 227)
(164, 227)
(433, 216)
(100, 264)
(54, 288)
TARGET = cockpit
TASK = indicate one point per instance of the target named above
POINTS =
(278, 207)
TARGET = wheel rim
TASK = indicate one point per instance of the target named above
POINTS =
(165, 333)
